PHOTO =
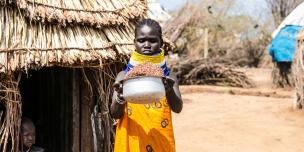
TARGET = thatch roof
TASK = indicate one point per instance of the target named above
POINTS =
(66, 33)
(92, 12)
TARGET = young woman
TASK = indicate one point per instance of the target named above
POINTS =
(147, 127)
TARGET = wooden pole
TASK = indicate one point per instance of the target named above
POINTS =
(206, 43)
(85, 115)
(76, 112)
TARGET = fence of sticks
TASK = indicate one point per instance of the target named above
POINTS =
(298, 72)
(211, 72)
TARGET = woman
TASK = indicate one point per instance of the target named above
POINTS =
(146, 127)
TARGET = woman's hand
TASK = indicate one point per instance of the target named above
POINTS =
(168, 83)
(172, 93)
(118, 102)
(118, 88)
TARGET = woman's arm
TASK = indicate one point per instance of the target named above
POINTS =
(173, 94)
(117, 109)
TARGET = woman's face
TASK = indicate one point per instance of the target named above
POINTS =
(147, 40)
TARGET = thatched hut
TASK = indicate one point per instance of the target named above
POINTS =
(298, 72)
(58, 60)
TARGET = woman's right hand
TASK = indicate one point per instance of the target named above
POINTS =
(118, 88)
(118, 102)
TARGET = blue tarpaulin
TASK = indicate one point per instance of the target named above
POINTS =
(283, 45)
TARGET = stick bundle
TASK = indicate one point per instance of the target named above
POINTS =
(11, 116)
(197, 71)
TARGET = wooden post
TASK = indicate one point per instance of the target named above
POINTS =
(206, 43)
(76, 111)
(86, 106)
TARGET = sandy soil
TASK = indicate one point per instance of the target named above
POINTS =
(223, 121)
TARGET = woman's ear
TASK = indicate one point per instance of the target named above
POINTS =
(161, 42)
(167, 47)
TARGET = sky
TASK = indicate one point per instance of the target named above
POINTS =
(257, 9)
(172, 4)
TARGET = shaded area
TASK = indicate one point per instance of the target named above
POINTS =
(47, 100)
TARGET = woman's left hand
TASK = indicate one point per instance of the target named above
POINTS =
(173, 95)
(169, 83)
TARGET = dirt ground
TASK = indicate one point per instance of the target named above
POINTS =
(225, 119)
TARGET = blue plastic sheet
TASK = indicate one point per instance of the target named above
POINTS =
(283, 46)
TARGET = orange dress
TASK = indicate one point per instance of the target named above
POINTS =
(145, 128)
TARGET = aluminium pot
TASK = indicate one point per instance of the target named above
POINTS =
(143, 90)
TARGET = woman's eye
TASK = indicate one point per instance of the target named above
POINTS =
(153, 41)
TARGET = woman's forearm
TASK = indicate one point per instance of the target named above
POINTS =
(173, 94)
(174, 100)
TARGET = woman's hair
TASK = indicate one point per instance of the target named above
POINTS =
(151, 23)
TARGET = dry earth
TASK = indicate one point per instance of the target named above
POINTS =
(225, 119)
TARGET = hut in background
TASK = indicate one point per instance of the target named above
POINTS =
(58, 60)
(283, 46)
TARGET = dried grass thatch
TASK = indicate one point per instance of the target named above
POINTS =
(24, 44)
(298, 72)
(97, 13)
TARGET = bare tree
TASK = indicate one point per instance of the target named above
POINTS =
(281, 8)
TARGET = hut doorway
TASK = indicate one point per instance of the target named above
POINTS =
(56, 99)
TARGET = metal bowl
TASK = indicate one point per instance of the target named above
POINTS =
(143, 90)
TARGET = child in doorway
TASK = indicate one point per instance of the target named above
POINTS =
(28, 136)
(146, 128)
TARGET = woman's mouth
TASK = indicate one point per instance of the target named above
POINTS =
(146, 51)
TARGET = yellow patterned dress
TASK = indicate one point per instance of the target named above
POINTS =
(145, 128)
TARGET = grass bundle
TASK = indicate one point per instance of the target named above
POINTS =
(11, 118)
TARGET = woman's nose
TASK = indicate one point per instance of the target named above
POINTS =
(147, 44)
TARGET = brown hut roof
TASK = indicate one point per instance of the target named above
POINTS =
(66, 33)
(92, 12)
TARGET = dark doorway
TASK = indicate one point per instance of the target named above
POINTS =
(47, 99)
